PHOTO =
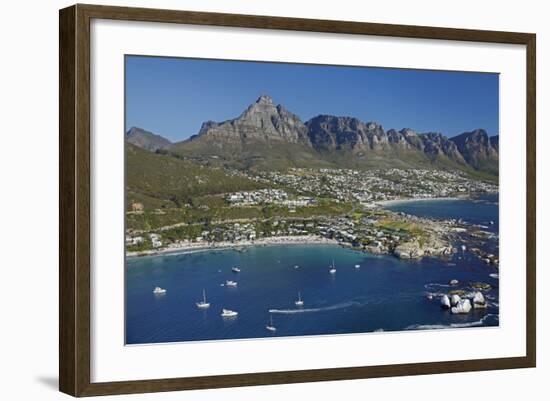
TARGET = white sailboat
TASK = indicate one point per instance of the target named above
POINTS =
(332, 269)
(228, 313)
(159, 291)
(270, 326)
(203, 304)
(299, 302)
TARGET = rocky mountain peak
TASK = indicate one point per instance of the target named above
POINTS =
(147, 140)
(262, 121)
(265, 99)
(263, 108)
(408, 132)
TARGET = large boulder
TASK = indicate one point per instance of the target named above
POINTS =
(455, 299)
(445, 302)
(479, 301)
(464, 306)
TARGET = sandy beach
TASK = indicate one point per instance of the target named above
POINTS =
(200, 246)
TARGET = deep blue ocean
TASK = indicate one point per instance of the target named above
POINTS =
(385, 293)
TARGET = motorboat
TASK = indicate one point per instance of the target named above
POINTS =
(235, 269)
(231, 283)
(229, 313)
(159, 290)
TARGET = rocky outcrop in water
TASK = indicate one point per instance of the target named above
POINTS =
(479, 301)
(463, 306)
(445, 302)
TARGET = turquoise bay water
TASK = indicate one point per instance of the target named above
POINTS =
(384, 294)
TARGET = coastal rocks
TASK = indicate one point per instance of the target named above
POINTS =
(461, 302)
(376, 250)
(479, 301)
(408, 250)
(480, 286)
(470, 297)
(487, 258)
(445, 302)
(462, 307)
(455, 300)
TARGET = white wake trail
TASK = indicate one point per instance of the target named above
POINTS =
(310, 310)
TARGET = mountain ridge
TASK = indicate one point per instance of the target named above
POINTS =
(266, 135)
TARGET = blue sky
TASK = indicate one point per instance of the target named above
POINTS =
(173, 96)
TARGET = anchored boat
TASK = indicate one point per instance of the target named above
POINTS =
(228, 313)
(203, 304)
(270, 326)
(299, 302)
(332, 268)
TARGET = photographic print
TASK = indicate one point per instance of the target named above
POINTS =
(271, 199)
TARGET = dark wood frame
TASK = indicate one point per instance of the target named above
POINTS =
(74, 199)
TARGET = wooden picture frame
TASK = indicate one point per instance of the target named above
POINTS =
(74, 203)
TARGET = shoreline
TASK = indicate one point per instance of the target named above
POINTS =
(203, 246)
(411, 200)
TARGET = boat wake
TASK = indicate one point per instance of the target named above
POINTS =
(476, 323)
(311, 310)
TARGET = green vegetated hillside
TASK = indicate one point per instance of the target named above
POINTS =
(252, 155)
(158, 180)
(282, 156)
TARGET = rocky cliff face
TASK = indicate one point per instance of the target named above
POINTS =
(479, 151)
(330, 133)
(436, 144)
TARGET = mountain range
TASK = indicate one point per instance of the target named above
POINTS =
(268, 136)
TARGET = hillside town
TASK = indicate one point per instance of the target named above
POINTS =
(377, 185)
(338, 205)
